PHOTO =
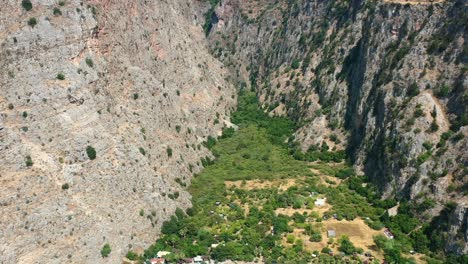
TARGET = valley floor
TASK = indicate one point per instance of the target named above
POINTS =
(256, 203)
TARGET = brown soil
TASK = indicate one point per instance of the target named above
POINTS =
(282, 184)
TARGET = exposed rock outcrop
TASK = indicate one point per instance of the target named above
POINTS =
(387, 78)
(132, 80)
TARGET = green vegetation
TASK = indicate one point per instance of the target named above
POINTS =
(60, 76)
(260, 151)
(132, 255)
(91, 152)
(89, 62)
(142, 151)
(29, 161)
(169, 152)
(209, 16)
(32, 21)
(57, 11)
(27, 5)
(106, 250)
(65, 186)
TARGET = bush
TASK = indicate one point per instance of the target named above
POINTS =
(443, 91)
(347, 246)
(61, 76)
(295, 64)
(106, 250)
(29, 161)
(32, 21)
(434, 126)
(65, 186)
(345, 173)
(91, 152)
(413, 90)
(132, 255)
(142, 151)
(89, 62)
(57, 11)
(27, 5)
(169, 152)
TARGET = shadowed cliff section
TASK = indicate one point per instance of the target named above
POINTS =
(382, 79)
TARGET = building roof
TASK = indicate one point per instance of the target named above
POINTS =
(331, 233)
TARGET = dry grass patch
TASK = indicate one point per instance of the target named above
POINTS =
(358, 232)
(281, 184)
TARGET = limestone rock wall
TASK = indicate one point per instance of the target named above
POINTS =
(134, 80)
(386, 78)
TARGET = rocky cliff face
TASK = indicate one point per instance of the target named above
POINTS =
(386, 78)
(132, 80)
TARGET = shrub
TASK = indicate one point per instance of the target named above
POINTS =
(27, 5)
(60, 76)
(413, 90)
(106, 250)
(131, 255)
(65, 186)
(32, 21)
(177, 128)
(424, 157)
(25, 114)
(434, 126)
(29, 161)
(169, 152)
(347, 246)
(10, 106)
(345, 173)
(91, 152)
(57, 11)
(428, 145)
(443, 91)
(142, 212)
(142, 151)
(418, 112)
(89, 62)
(295, 64)
(61, 3)
(135, 96)
(458, 137)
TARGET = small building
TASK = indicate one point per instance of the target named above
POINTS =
(161, 254)
(331, 233)
(157, 260)
(214, 245)
(198, 260)
(320, 202)
(389, 233)
(218, 203)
